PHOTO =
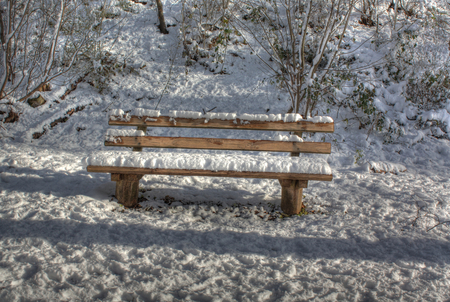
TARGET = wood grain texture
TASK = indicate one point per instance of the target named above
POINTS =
(165, 121)
(127, 188)
(220, 144)
(288, 182)
(142, 128)
(299, 134)
(292, 195)
(182, 172)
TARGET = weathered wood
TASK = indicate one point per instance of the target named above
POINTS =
(197, 172)
(287, 183)
(220, 144)
(166, 121)
(115, 176)
(292, 195)
(299, 134)
(142, 128)
(127, 178)
(127, 188)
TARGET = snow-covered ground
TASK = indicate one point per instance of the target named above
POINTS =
(64, 237)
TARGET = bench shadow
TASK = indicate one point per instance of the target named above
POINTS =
(226, 241)
(169, 197)
(47, 181)
(100, 186)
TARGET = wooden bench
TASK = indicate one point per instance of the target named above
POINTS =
(127, 175)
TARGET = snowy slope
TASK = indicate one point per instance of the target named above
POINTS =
(63, 236)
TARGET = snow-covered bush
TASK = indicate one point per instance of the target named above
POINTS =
(409, 87)
(206, 32)
(431, 90)
(98, 63)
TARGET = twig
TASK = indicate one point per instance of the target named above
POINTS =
(113, 102)
(414, 222)
(439, 223)
(170, 75)
(427, 214)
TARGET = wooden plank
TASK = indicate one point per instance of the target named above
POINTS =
(166, 121)
(182, 172)
(220, 144)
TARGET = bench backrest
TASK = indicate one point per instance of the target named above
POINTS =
(185, 119)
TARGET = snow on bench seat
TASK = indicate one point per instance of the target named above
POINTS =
(210, 162)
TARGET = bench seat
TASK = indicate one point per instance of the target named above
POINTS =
(207, 164)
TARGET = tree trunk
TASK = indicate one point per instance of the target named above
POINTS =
(162, 23)
(2, 33)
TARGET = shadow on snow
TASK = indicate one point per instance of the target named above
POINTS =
(222, 242)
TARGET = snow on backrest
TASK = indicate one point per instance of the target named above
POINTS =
(118, 114)
(112, 134)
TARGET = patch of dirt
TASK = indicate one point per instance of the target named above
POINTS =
(44, 87)
(12, 117)
(139, 2)
(78, 109)
(64, 119)
(36, 102)
(73, 86)
(60, 120)
(366, 20)
(37, 135)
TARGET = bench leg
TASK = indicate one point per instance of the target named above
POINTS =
(127, 188)
(291, 195)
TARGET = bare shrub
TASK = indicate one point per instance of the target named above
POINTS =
(43, 40)
(302, 38)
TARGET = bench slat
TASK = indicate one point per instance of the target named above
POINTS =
(220, 144)
(166, 121)
(238, 174)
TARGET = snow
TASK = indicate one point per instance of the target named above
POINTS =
(441, 116)
(291, 138)
(220, 116)
(211, 162)
(112, 134)
(380, 105)
(292, 117)
(288, 118)
(119, 115)
(64, 239)
(185, 114)
(386, 167)
(259, 117)
(367, 236)
(146, 112)
(320, 119)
